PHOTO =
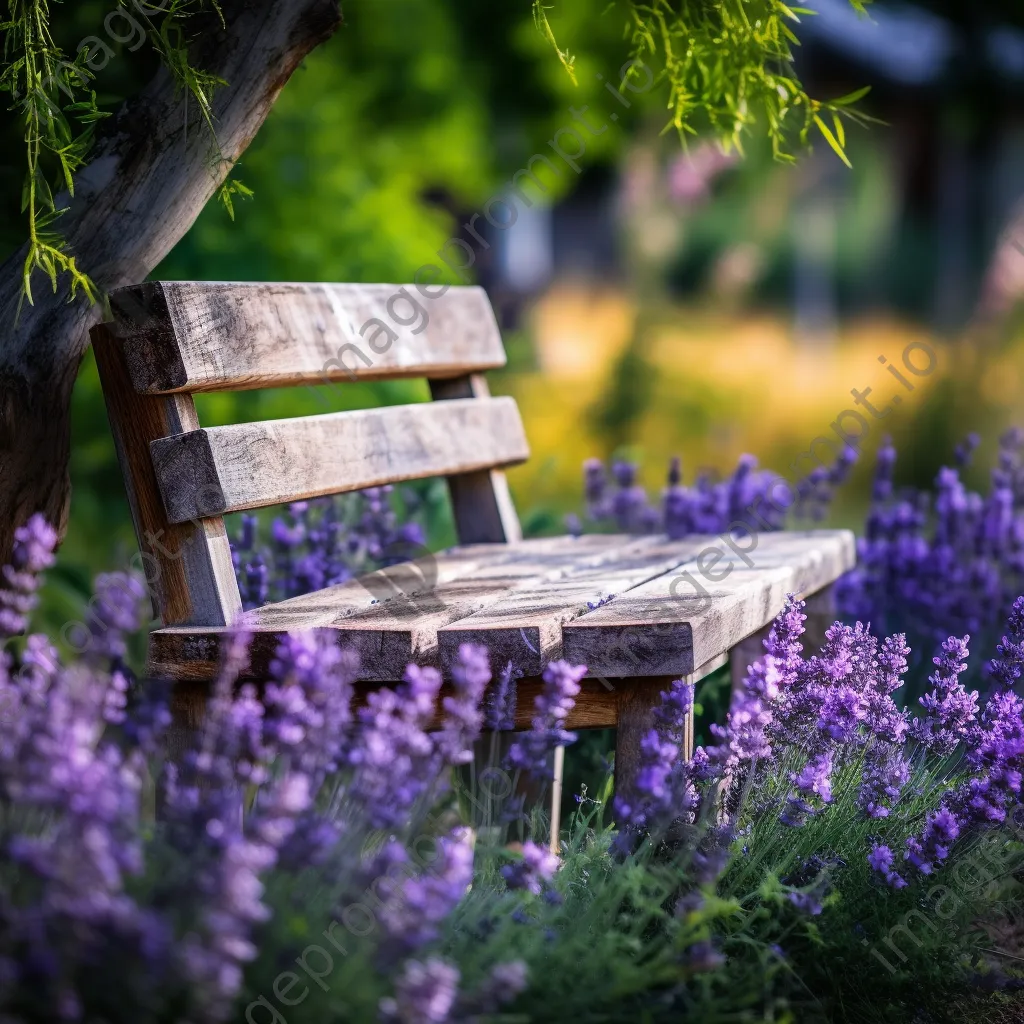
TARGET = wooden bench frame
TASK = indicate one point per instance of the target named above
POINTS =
(170, 340)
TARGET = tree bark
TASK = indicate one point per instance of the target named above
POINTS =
(151, 173)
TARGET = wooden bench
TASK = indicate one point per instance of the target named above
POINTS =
(529, 601)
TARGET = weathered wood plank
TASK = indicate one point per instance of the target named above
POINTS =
(391, 599)
(525, 627)
(481, 504)
(203, 336)
(188, 565)
(680, 619)
(211, 471)
(388, 638)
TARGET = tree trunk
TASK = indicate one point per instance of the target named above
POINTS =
(151, 173)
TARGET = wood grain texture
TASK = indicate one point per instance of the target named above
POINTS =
(395, 605)
(388, 638)
(249, 465)
(220, 336)
(681, 619)
(188, 565)
(525, 627)
(481, 503)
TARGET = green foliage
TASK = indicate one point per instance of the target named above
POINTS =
(729, 70)
(52, 94)
(614, 944)
(39, 77)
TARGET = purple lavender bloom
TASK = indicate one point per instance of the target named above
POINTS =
(394, 762)
(677, 504)
(533, 871)
(547, 731)
(662, 790)
(671, 714)
(505, 982)
(629, 503)
(500, 701)
(463, 716)
(1005, 668)
(808, 902)
(882, 717)
(120, 607)
(651, 792)
(425, 993)
(414, 908)
(323, 542)
(34, 544)
(882, 859)
(744, 738)
(812, 790)
(885, 773)
(841, 713)
(308, 700)
(595, 489)
(949, 709)
(932, 848)
(964, 451)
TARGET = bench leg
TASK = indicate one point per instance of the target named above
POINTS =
(556, 799)
(637, 700)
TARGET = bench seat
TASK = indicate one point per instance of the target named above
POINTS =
(624, 606)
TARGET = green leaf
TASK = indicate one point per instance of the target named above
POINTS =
(850, 97)
(840, 130)
(831, 140)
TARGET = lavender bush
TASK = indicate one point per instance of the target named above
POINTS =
(304, 858)
(929, 563)
(940, 563)
(324, 541)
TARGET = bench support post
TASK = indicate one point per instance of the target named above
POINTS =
(481, 503)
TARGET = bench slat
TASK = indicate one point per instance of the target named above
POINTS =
(194, 653)
(242, 466)
(210, 336)
(525, 627)
(388, 638)
(681, 620)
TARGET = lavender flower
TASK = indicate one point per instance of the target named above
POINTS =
(744, 738)
(672, 713)
(932, 848)
(394, 761)
(536, 867)
(500, 702)
(1005, 668)
(881, 859)
(321, 543)
(463, 717)
(547, 731)
(120, 607)
(502, 985)
(662, 790)
(949, 709)
(885, 773)
(34, 544)
(703, 957)
(308, 700)
(424, 993)
(413, 909)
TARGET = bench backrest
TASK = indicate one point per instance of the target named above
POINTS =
(169, 340)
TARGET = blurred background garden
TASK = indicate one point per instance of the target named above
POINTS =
(669, 298)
